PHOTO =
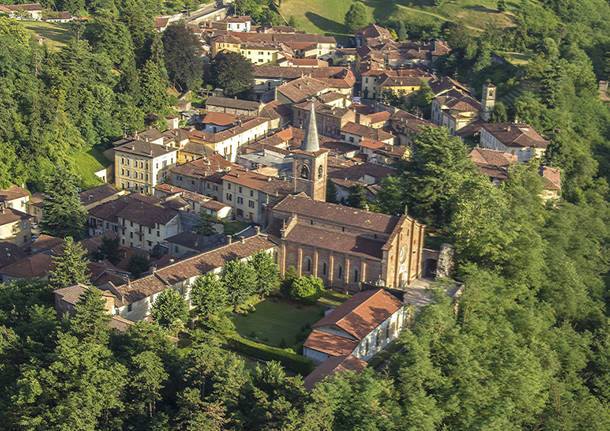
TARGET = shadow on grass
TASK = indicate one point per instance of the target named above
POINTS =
(326, 24)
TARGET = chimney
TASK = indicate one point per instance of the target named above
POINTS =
(242, 239)
(257, 230)
(229, 239)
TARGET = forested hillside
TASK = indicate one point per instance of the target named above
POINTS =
(527, 347)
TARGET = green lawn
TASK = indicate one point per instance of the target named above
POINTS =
(275, 320)
(55, 34)
(86, 163)
(327, 16)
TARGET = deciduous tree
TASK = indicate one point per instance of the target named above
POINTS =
(232, 72)
(169, 307)
(209, 295)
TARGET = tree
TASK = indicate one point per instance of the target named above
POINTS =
(154, 89)
(307, 289)
(431, 180)
(148, 379)
(232, 72)
(169, 307)
(70, 265)
(402, 32)
(109, 249)
(356, 17)
(240, 280)
(499, 115)
(63, 213)
(138, 264)
(357, 196)
(207, 224)
(421, 99)
(292, 22)
(182, 57)
(501, 5)
(290, 276)
(90, 320)
(331, 192)
(209, 295)
(267, 272)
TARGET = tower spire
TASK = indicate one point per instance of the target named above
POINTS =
(310, 142)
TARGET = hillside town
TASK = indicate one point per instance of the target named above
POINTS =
(306, 204)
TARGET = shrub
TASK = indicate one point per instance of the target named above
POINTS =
(307, 289)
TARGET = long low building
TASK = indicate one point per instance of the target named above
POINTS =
(134, 300)
(361, 327)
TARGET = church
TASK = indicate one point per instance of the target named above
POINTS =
(344, 246)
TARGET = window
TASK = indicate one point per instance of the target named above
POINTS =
(251, 193)
(324, 268)
(229, 197)
(379, 335)
(310, 221)
(149, 243)
(251, 204)
(129, 308)
(241, 189)
(320, 171)
(307, 264)
(305, 172)
(240, 200)
(339, 272)
(158, 234)
(356, 275)
(229, 186)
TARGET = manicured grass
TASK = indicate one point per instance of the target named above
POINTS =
(55, 34)
(333, 298)
(327, 16)
(86, 163)
(275, 320)
(233, 227)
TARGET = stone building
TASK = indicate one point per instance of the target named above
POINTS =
(346, 246)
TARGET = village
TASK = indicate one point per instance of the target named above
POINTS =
(280, 171)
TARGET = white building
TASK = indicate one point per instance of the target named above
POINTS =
(362, 327)
(518, 139)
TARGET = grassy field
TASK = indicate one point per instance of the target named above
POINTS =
(55, 34)
(276, 320)
(232, 227)
(87, 163)
(326, 16)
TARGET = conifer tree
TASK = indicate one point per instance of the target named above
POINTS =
(63, 213)
(267, 272)
(70, 265)
(90, 321)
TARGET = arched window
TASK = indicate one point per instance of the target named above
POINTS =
(320, 171)
(305, 172)
(339, 272)
(324, 268)
(356, 275)
(307, 264)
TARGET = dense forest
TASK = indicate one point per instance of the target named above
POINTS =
(528, 346)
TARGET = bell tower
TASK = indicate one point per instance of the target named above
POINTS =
(488, 101)
(309, 169)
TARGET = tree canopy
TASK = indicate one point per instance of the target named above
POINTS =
(232, 72)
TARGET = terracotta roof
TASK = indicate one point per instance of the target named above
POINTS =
(145, 149)
(551, 178)
(371, 144)
(239, 19)
(46, 242)
(109, 211)
(191, 267)
(10, 253)
(228, 102)
(93, 243)
(266, 71)
(34, 266)
(10, 215)
(213, 165)
(362, 313)
(290, 39)
(445, 83)
(332, 366)
(263, 183)
(161, 22)
(146, 214)
(365, 131)
(98, 193)
(28, 7)
(120, 323)
(335, 241)
(360, 171)
(379, 117)
(275, 109)
(71, 294)
(302, 88)
(331, 344)
(12, 193)
(196, 241)
(487, 157)
(196, 148)
(219, 118)
(516, 135)
(330, 97)
(373, 30)
(335, 213)
(458, 100)
(214, 205)
(223, 135)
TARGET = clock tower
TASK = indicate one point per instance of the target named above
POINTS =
(309, 169)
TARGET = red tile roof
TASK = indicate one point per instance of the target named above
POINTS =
(331, 344)
(12, 193)
(516, 135)
(10, 215)
(551, 178)
(332, 366)
(260, 182)
(376, 222)
(365, 131)
(219, 118)
(362, 313)
(98, 193)
(37, 265)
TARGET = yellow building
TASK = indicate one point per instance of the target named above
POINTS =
(15, 226)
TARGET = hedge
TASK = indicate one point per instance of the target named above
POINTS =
(296, 363)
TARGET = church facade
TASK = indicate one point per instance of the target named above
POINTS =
(343, 246)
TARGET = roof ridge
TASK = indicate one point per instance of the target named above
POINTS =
(356, 308)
